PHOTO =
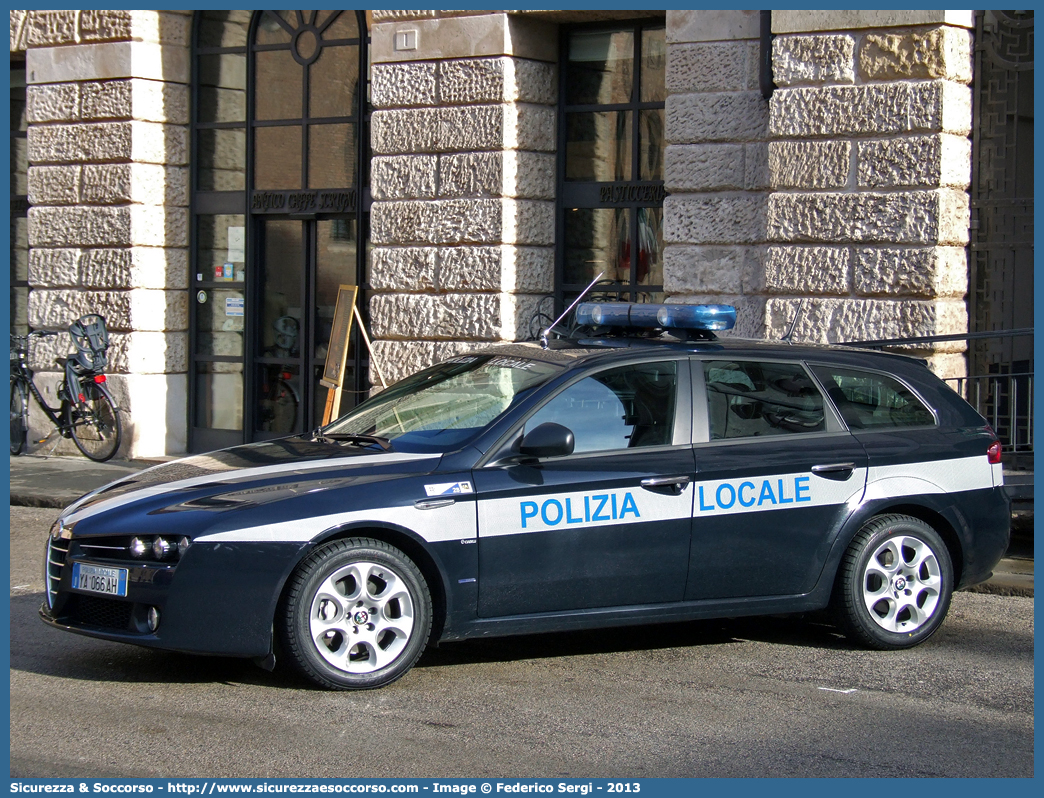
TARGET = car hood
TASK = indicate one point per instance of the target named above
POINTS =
(264, 469)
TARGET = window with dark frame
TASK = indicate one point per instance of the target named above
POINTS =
(610, 162)
(277, 123)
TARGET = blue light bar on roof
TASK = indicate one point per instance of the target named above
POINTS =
(640, 315)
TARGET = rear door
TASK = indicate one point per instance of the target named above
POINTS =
(777, 475)
(608, 525)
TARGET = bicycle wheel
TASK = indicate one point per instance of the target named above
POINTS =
(19, 416)
(95, 424)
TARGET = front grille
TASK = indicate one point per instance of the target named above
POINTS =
(101, 613)
(57, 551)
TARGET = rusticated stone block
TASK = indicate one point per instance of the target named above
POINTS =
(915, 217)
(703, 167)
(824, 320)
(105, 226)
(149, 184)
(529, 269)
(519, 316)
(135, 267)
(755, 166)
(403, 269)
(917, 161)
(813, 59)
(51, 268)
(473, 174)
(105, 26)
(404, 85)
(472, 128)
(48, 28)
(808, 270)
(705, 270)
(712, 67)
(54, 185)
(472, 80)
(405, 131)
(18, 30)
(726, 117)
(809, 164)
(165, 27)
(724, 219)
(943, 52)
(59, 102)
(470, 268)
(529, 175)
(948, 367)
(103, 142)
(399, 359)
(403, 177)
(155, 353)
(528, 222)
(928, 272)
(440, 222)
(529, 127)
(139, 310)
(142, 100)
(941, 106)
(531, 82)
(441, 316)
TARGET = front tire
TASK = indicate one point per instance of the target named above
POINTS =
(895, 583)
(95, 424)
(19, 416)
(356, 615)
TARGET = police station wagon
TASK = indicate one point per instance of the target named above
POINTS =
(618, 477)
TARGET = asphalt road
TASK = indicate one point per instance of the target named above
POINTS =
(762, 697)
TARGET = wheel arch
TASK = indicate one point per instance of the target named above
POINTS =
(931, 516)
(409, 544)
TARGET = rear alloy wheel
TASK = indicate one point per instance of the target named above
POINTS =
(895, 583)
(357, 615)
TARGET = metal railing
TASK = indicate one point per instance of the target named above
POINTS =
(1003, 397)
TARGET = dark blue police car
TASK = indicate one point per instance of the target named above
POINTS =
(622, 476)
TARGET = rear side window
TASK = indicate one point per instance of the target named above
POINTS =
(748, 399)
(867, 400)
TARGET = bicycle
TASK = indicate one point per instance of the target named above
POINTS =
(89, 415)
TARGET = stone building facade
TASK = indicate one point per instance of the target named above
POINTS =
(841, 200)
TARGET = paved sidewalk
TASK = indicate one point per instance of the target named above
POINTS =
(38, 481)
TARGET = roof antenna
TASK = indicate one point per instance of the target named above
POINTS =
(545, 332)
(789, 334)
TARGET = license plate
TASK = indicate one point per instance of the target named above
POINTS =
(98, 579)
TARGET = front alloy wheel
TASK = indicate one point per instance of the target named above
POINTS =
(895, 583)
(357, 615)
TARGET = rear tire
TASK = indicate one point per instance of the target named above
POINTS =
(19, 416)
(895, 583)
(95, 424)
(356, 615)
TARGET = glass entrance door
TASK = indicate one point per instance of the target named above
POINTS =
(301, 264)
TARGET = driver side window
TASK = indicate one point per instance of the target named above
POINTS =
(623, 408)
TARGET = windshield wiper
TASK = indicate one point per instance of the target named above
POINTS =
(347, 437)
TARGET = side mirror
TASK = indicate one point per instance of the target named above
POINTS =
(547, 440)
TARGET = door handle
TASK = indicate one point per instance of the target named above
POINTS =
(672, 484)
(838, 471)
(433, 504)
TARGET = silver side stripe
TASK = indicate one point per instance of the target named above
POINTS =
(452, 522)
(937, 476)
(73, 515)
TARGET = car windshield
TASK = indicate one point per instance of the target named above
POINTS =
(441, 408)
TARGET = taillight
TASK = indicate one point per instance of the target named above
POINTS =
(99, 378)
(82, 397)
(993, 454)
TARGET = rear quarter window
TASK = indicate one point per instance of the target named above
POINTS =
(870, 400)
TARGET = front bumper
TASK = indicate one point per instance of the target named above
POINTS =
(220, 598)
